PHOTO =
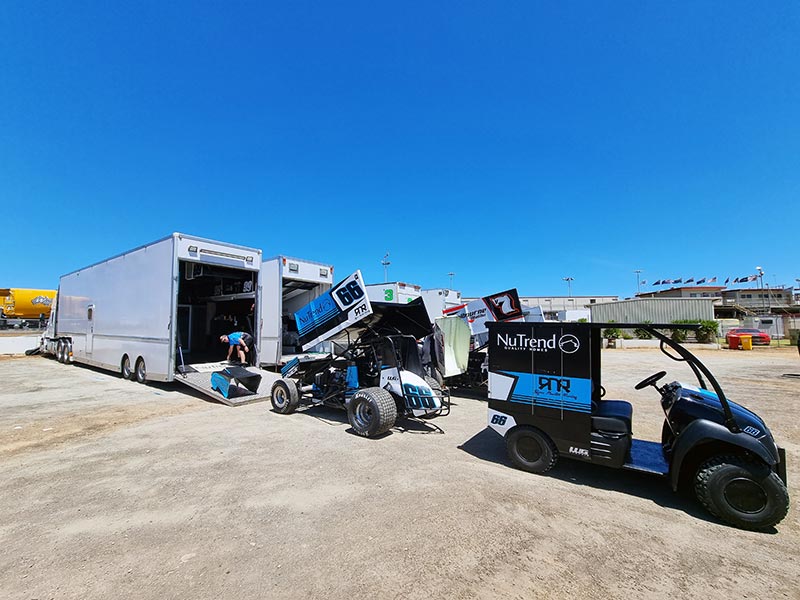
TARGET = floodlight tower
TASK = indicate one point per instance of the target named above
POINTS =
(385, 262)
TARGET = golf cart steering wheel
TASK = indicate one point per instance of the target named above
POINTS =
(650, 380)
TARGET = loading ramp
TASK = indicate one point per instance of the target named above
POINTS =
(198, 377)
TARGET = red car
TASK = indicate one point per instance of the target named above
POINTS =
(759, 337)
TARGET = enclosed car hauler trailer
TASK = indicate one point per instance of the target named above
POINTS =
(288, 284)
(155, 313)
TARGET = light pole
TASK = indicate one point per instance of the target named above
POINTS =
(761, 284)
(638, 287)
(385, 262)
(569, 281)
(451, 275)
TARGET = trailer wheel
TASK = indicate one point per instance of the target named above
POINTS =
(531, 449)
(125, 368)
(141, 370)
(371, 412)
(284, 396)
(742, 492)
(436, 387)
(60, 351)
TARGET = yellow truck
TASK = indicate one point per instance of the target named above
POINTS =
(18, 306)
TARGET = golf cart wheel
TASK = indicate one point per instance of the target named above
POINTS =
(436, 388)
(284, 396)
(371, 412)
(742, 492)
(125, 368)
(141, 371)
(531, 450)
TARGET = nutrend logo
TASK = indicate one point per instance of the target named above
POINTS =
(568, 344)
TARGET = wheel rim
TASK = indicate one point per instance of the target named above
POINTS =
(126, 368)
(529, 449)
(279, 397)
(140, 371)
(362, 414)
(745, 495)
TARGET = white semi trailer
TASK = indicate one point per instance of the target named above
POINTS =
(289, 285)
(146, 312)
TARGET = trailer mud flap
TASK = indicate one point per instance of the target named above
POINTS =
(224, 388)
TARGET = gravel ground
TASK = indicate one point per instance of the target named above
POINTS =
(113, 489)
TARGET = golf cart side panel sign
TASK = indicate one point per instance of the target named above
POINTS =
(543, 366)
(333, 311)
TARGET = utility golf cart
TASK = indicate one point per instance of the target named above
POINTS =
(375, 372)
(546, 399)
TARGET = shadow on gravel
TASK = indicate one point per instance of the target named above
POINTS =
(335, 417)
(489, 446)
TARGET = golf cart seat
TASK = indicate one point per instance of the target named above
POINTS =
(612, 416)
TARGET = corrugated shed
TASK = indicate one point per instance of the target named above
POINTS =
(655, 310)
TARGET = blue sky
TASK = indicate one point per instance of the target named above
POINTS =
(511, 143)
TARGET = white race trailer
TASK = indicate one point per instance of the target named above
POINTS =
(395, 291)
(289, 284)
(155, 313)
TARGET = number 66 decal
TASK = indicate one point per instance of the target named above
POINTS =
(348, 292)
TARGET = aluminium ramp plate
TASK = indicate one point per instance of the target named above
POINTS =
(199, 377)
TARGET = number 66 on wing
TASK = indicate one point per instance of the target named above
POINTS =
(335, 310)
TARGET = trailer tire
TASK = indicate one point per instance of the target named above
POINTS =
(742, 492)
(125, 368)
(141, 370)
(436, 387)
(371, 412)
(284, 396)
(531, 449)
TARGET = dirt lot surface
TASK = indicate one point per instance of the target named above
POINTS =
(111, 489)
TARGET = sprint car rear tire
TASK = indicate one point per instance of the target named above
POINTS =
(531, 450)
(742, 492)
(371, 412)
(284, 396)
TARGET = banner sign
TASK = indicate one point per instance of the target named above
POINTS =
(342, 306)
(501, 307)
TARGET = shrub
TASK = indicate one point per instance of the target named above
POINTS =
(612, 333)
(643, 334)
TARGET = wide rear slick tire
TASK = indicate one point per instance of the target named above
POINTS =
(371, 412)
(742, 492)
(284, 396)
(531, 449)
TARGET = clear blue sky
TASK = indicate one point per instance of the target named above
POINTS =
(512, 143)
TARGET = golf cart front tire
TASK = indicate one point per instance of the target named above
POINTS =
(371, 412)
(531, 449)
(284, 396)
(742, 492)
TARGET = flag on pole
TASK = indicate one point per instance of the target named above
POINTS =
(752, 278)
(644, 281)
(657, 282)
(727, 281)
(714, 280)
(699, 281)
(690, 280)
(678, 280)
